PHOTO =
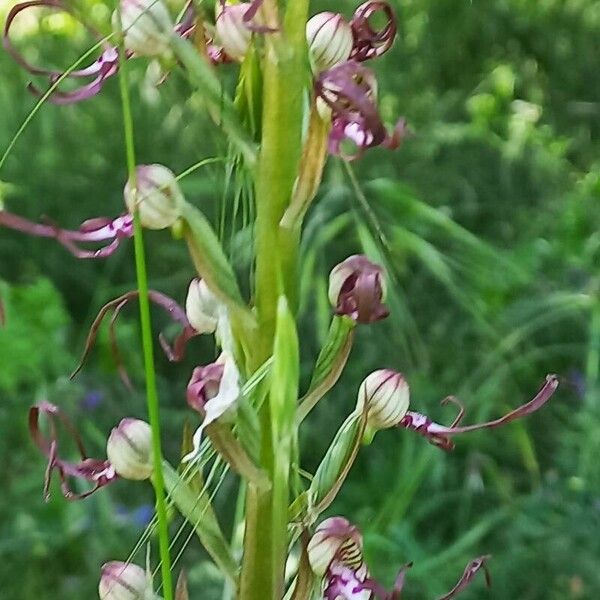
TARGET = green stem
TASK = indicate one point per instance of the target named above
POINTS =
(147, 343)
(284, 67)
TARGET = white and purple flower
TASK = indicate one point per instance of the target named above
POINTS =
(335, 555)
(357, 290)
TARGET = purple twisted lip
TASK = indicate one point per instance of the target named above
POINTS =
(174, 352)
(100, 70)
(349, 582)
(369, 42)
(349, 90)
(95, 471)
(104, 67)
(94, 230)
(440, 435)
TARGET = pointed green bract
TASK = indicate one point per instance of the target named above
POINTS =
(330, 363)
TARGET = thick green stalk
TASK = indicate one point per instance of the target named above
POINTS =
(147, 343)
(284, 67)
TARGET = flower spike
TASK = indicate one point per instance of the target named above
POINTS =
(440, 435)
(368, 42)
(95, 471)
(95, 230)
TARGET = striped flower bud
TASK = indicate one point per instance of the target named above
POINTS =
(329, 38)
(335, 539)
(129, 449)
(156, 194)
(386, 396)
(146, 25)
(233, 33)
(123, 581)
(357, 289)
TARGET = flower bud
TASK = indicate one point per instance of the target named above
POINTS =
(155, 194)
(357, 289)
(335, 539)
(202, 307)
(232, 32)
(129, 449)
(329, 38)
(146, 25)
(123, 581)
(386, 396)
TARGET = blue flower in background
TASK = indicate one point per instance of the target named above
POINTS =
(92, 400)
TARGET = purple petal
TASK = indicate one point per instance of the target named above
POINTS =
(95, 471)
(439, 435)
(174, 353)
(94, 230)
(104, 67)
(469, 573)
(368, 42)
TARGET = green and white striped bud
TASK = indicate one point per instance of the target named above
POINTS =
(329, 38)
(155, 194)
(385, 395)
(146, 26)
(335, 539)
(123, 581)
(129, 449)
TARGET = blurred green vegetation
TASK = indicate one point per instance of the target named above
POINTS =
(489, 224)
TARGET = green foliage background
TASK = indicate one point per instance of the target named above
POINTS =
(490, 221)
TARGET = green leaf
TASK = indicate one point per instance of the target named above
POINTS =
(197, 509)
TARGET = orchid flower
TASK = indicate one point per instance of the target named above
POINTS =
(213, 390)
(99, 229)
(357, 290)
(349, 90)
(95, 471)
(440, 435)
(335, 555)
